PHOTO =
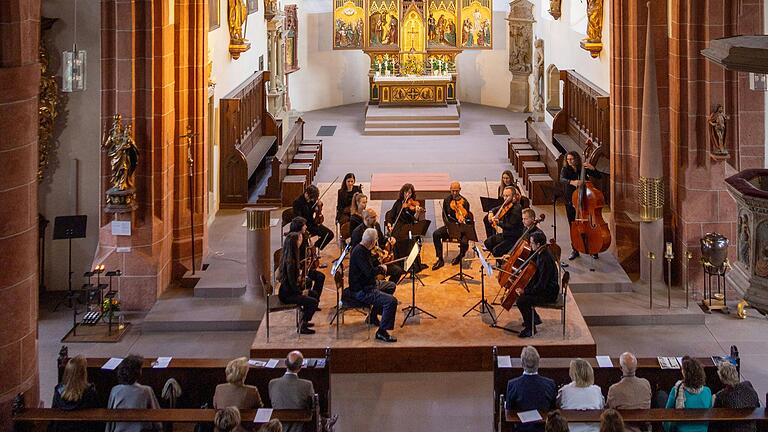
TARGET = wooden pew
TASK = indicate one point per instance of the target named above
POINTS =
(557, 369)
(198, 379)
(279, 163)
(248, 134)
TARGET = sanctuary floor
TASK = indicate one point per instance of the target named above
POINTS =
(445, 401)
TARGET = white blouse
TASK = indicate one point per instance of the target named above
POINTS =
(581, 398)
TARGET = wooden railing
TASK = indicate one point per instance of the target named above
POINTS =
(585, 114)
(248, 133)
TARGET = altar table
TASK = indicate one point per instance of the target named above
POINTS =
(417, 90)
(386, 186)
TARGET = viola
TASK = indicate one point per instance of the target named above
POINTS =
(505, 207)
(589, 232)
(412, 204)
(319, 218)
(459, 208)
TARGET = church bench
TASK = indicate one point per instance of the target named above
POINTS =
(524, 156)
(310, 158)
(513, 143)
(532, 167)
(538, 185)
(514, 149)
(293, 186)
(199, 377)
(557, 370)
(540, 138)
(280, 162)
(37, 419)
(315, 145)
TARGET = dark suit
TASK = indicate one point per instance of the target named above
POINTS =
(543, 288)
(291, 392)
(511, 225)
(305, 209)
(366, 289)
(530, 392)
(394, 271)
(441, 234)
(568, 174)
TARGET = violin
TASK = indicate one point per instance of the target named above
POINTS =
(384, 256)
(412, 204)
(458, 207)
(589, 231)
(508, 203)
(319, 218)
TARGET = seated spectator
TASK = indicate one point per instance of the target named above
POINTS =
(581, 394)
(235, 393)
(690, 392)
(631, 392)
(291, 392)
(274, 425)
(227, 420)
(555, 422)
(530, 391)
(611, 421)
(129, 394)
(75, 393)
(735, 395)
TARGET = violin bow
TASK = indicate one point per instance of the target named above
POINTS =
(487, 191)
(325, 191)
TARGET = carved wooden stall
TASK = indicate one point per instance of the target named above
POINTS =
(248, 134)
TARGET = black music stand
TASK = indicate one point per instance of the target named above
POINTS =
(558, 191)
(483, 306)
(68, 228)
(413, 310)
(407, 232)
(489, 203)
(457, 232)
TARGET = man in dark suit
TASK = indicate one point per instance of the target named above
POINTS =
(542, 288)
(306, 206)
(291, 392)
(370, 217)
(530, 391)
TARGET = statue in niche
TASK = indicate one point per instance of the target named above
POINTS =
(594, 21)
(238, 13)
(538, 76)
(717, 126)
(554, 8)
(744, 239)
(122, 153)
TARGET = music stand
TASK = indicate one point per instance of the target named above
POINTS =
(557, 190)
(407, 232)
(337, 262)
(485, 268)
(68, 228)
(459, 231)
(489, 203)
(413, 310)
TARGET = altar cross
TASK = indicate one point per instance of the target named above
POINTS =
(413, 34)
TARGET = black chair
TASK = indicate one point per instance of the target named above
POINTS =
(558, 304)
(273, 303)
(286, 217)
(345, 302)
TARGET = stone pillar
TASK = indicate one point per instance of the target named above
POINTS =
(520, 54)
(257, 245)
(19, 87)
(271, 37)
(275, 95)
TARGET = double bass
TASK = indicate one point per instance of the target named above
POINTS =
(589, 231)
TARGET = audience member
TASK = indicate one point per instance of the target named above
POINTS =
(690, 392)
(611, 421)
(530, 391)
(736, 394)
(129, 394)
(235, 393)
(227, 420)
(555, 422)
(75, 393)
(291, 392)
(581, 394)
(273, 425)
(631, 392)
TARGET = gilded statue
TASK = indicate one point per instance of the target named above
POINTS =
(238, 14)
(554, 8)
(122, 153)
(717, 129)
(48, 111)
(594, 21)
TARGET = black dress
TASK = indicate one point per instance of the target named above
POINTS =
(343, 201)
(742, 395)
(90, 399)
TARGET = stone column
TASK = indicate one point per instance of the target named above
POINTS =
(257, 245)
(280, 59)
(19, 87)
(271, 37)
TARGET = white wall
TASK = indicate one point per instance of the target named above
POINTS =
(66, 190)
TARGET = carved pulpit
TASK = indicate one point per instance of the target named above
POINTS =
(412, 44)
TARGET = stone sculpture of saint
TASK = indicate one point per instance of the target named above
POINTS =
(717, 127)
(538, 77)
(238, 13)
(744, 240)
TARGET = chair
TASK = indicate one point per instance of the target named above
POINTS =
(345, 302)
(344, 235)
(558, 304)
(286, 217)
(274, 304)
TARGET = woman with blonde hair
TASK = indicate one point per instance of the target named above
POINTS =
(227, 420)
(235, 393)
(74, 392)
(356, 210)
(581, 394)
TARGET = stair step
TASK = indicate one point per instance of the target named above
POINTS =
(412, 131)
(419, 123)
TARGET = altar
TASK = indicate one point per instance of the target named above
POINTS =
(415, 90)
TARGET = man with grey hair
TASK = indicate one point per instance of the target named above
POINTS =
(631, 392)
(291, 392)
(530, 391)
(366, 289)
(370, 220)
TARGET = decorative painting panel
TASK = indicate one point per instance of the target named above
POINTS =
(476, 24)
(348, 24)
(383, 23)
(214, 14)
(441, 23)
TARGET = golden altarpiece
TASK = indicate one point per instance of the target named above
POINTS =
(412, 45)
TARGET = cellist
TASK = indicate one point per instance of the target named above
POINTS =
(570, 176)
(455, 211)
(308, 206)
(508, 216)
(542, 288)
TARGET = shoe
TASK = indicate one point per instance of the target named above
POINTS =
(595, 256)
(382, 335)
(526, 333)
(573, 256)
(537, 320)
(372, 320)
(306, 330)
(422, 267)
(457, 260)
(310, 325)
(438, 264)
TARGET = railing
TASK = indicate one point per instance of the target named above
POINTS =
(585, 114)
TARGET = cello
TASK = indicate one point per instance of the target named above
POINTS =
(589, 231)
(524, 274)
(518, 254)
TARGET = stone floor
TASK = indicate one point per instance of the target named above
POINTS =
(417, 401)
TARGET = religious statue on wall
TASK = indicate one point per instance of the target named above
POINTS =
(717, 129)
(554, 8)
(594, 40)
(48, 104)
(520, 49)
(744, 246)
(291, 29)
(761, 251)
(520, 54)
(538, 76)
(237, 16)
(123, 155)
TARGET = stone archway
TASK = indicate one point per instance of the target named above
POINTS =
(553, 89)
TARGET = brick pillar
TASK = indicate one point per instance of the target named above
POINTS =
(19, 83)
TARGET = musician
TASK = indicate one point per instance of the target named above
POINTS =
(315, 280)
(507, 179)
(511, 223)
(529, 219)
(394, 271)
(570, 176)
(309, 207)
(366, 289)
(451, 204)
(346, 192)
(406, 210)
(291, 291)
(543, 287)
(357, 210)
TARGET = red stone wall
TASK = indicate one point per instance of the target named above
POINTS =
(19, 83)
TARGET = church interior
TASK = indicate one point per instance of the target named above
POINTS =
(411, 193)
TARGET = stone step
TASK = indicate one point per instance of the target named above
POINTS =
(414, 123)
(219, 282)
(449, 112)
(412, 131)
(633, 308)
(178, 311)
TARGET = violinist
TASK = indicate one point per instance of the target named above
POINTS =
(507, 179)
(406, 210)
(509, 217)
(370, 218)
(455, 211)
(310, 208)
(314, 280)
(346, 192)
(357, 210)
(291, 291)
(570, 176)
(543, 287)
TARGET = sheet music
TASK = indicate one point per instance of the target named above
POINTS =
(162, 362)
(504, 361)
(272, 363)
(529, 416)
(112, 363)
(604, 361)
(257, 363)
(263, 415)
(412, 257)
